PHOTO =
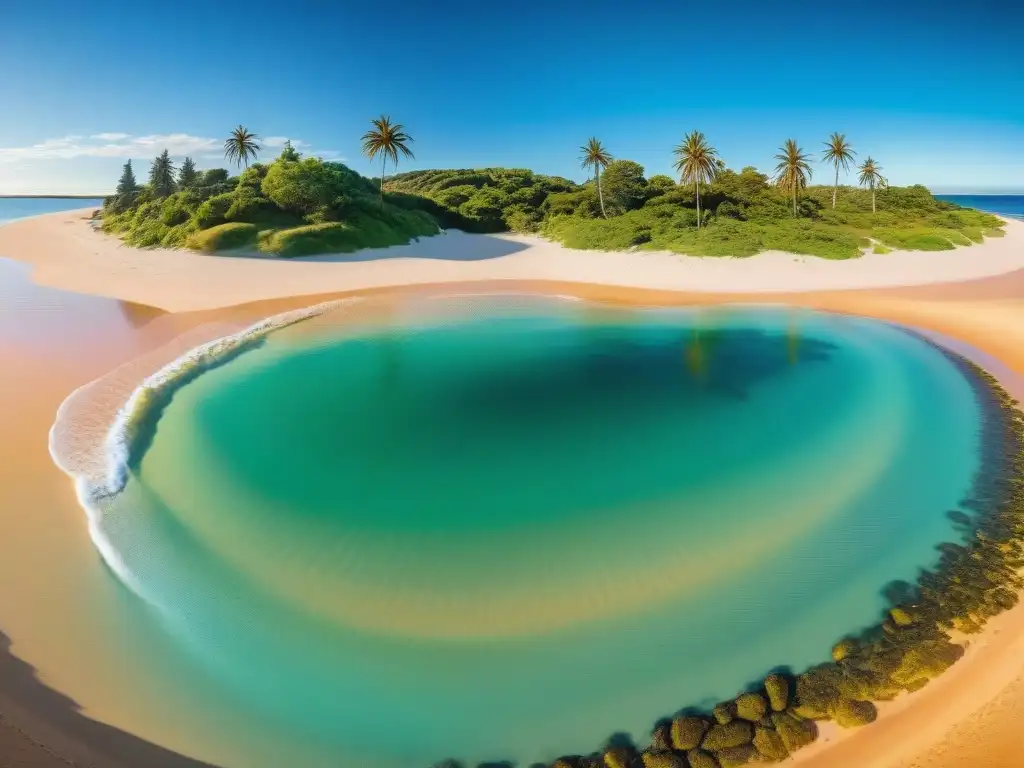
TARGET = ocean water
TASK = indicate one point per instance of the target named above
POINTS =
(13, 208)
(1004, 205)
(508, 528)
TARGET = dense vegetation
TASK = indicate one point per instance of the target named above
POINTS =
(294, 206)
(974, 580)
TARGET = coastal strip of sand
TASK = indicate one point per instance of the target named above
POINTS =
(966, 717)
(66, 252)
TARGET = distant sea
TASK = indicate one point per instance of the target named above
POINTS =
(1004, 205)
(12, 208)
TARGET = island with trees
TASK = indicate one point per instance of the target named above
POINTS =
(298, 206)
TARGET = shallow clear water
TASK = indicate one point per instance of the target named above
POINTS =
(506, 529)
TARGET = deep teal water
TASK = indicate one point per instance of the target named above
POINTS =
(508, 529)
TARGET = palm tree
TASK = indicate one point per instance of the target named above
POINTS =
(241, 146)
(871, 177)
(388, 140)
(793, 170)
(838, 152)
(597, 157)
(696, 161)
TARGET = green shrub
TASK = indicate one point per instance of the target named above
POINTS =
(724, 735)
(851, 714)
(687, 732)
(777, 688)
(751, 706)
(769, 744)
(881, 249)
(213, 211)
(698, 758)
(223, 237)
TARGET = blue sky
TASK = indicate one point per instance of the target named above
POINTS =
(933, 90)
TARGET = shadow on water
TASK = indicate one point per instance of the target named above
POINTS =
(33, 715)
(600, 371)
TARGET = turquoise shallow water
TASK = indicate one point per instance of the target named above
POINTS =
(506, 529)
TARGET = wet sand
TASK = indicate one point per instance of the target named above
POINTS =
(56, 342)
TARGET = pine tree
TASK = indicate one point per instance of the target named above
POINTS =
(127, 187)
(288, 152)
(161, 175)
(188, 176)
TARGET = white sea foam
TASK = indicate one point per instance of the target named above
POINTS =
(102, 472)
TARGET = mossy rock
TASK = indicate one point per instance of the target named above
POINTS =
(777, 688)
(736, 756)
(794, 732)
(724, 712)
(852, 714)
(698, 758)
(687, 732)
(901, 617)
(725, 735)
(844, 649)
(618, 757)
(751, 706)
(661, 737)
(769, 744)
(658, 759)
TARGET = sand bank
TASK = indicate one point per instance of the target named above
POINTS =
(967, 717)
(66, 252)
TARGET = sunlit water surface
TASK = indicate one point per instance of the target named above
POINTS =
(509, 528)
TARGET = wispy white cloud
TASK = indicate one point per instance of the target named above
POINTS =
(124, 145)
(278, 141)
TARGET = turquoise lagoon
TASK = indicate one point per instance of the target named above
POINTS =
(508, 528)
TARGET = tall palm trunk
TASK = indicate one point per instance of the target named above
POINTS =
(697, 185)
(835, 189)
(794, 201)
(600, 195)
(872, 198)
(383, 165)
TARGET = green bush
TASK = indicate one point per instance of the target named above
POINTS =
(724, 735)
(213, 212)
(223, 237)
(687, 732)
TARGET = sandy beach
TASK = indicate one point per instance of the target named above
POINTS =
(972, 297)
(65, 252)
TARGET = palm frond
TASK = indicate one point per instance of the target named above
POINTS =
(696, 159)
(594, 155)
